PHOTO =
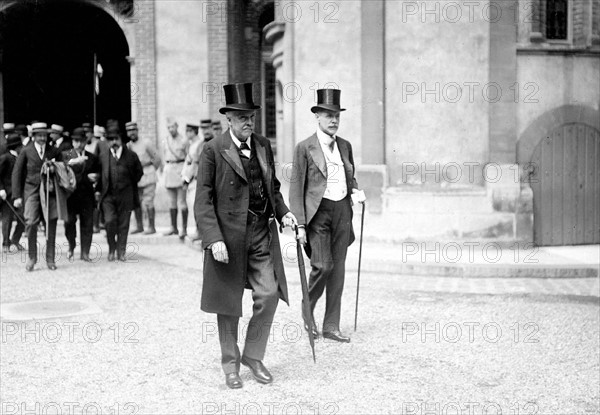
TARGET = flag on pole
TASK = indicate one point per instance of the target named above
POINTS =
(98, 71)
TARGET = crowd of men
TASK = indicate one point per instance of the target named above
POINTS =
(95, 175)
(237, 205)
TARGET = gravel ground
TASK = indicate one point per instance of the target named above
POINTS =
(152, 351)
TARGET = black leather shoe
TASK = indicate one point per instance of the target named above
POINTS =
(259, 371)
(29, 265)
(51, 266)
(70, 255)
(138, 230)
(111, 256)
(336, 335)
(233, 380)
(86, 258)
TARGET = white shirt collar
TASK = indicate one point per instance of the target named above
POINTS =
(325, 139)
(238, 142)
(13, 152)
(59, 141)
(38, 147)
(118, 152)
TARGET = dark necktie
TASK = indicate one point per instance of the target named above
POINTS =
(244, 146)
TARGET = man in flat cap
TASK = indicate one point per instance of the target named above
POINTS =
(175, 147)
(81, 202)
(26, 183)
(121, 172)
(150, 159)
(321, 198)
(237, 202)
(7, 163)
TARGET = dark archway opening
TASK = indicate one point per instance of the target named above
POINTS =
(47, 64)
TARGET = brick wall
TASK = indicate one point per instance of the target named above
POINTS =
(143, 92)
(218, 69)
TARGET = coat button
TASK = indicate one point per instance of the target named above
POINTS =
(231, 182)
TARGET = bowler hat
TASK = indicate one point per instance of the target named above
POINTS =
(13, 140)
(87, 127)
(113, 132)
(192, 125)
(78, 134)
(328, 99)
(238, 97)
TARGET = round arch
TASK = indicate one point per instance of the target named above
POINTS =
(47, 53)
(550, 121)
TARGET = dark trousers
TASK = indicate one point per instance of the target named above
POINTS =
(116, 218)
(328, 236)
(7, 218)
(33, 216)
(84, 207)
(265, 295)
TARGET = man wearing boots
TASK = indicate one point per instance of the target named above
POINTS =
(26, 183)
(121, 171)
(237, 202)
(150, 160)
(7, 163)
(81, 202)
(175, 148)
(321, 196)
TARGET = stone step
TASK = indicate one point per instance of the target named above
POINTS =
(445, 201)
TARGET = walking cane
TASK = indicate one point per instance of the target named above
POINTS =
(305, 299)
(47, 204)
(362, 224)
(14, 211)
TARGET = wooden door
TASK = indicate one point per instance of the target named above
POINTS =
(566, 186)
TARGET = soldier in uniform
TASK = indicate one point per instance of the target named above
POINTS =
(150, 160)
(217, 128)
(237, 197)
(26, 182)
(190, 169)
(121, 172)
(175, 149)
(320, 197)
(81, 202)
(7, 163)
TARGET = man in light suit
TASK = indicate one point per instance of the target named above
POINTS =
(321, 192)
(237, 202)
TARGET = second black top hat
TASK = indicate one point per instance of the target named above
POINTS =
(328, 99)
(238, 97)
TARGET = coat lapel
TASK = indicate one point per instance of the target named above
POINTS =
(314, 148)
(261, 154)
(346, 159)
(230, 153)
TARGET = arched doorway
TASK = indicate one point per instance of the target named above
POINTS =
(47, 63)
(565, 179)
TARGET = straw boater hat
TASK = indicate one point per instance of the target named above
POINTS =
(206, 123)
(39, 127)
(192, 125)
(8, 127)
(87, 127)
(57, 128)
(238, 97)
(328, 99)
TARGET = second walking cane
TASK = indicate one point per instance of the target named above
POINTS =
(362, 225)
(305, 299)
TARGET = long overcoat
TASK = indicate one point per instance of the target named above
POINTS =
(221, 210)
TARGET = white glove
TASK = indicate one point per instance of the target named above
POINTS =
(358, 196)
(3, 194)
(18, 203)
(219, 251)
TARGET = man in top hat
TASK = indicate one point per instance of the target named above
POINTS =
(321, 198)
(26, 182)
(121, 172)
(58, 139)
(237, 200)
(7, 163)
(150, 159)
(175, 148)
(217, 128)
(81, 202)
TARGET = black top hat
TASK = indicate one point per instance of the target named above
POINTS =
(13, 140)
(238, 97)
(328, 99)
